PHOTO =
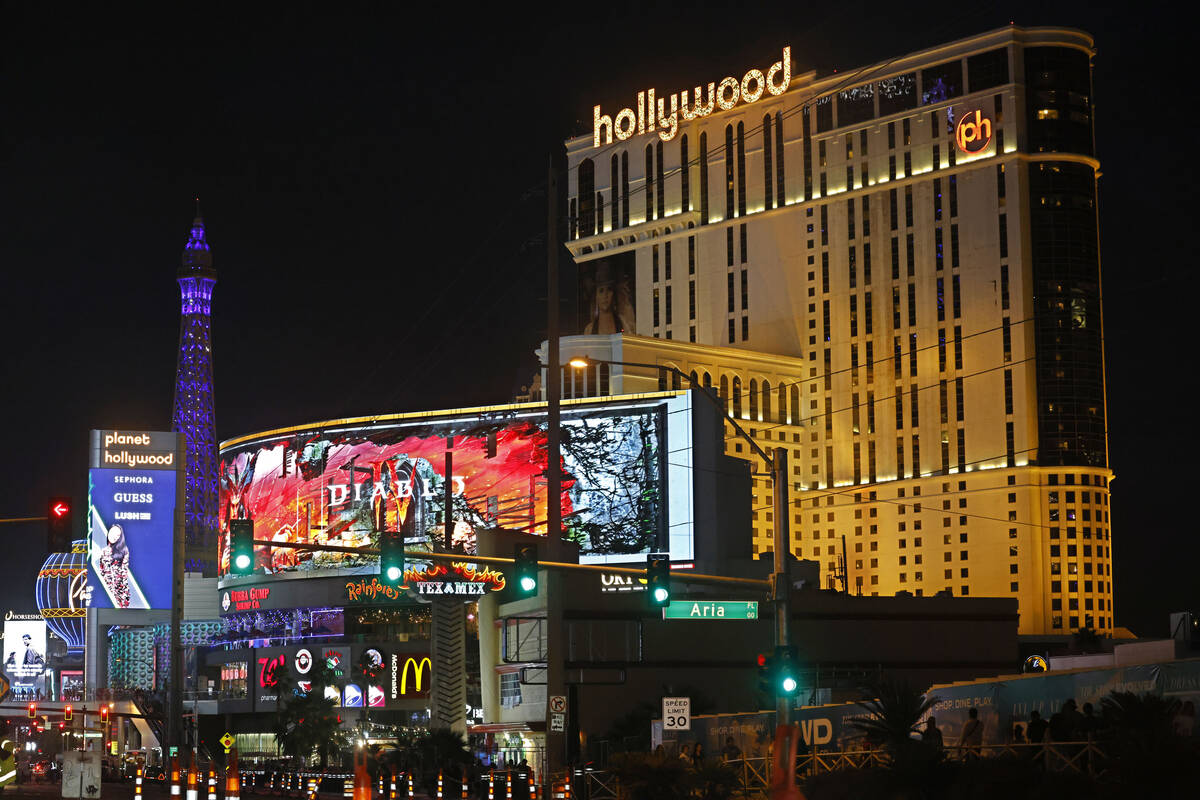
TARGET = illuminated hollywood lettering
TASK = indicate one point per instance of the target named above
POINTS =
(651, 113)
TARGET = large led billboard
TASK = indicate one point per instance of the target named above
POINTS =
(131, 538)
(342, 484)
(24, 652)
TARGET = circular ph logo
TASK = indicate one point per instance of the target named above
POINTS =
(303, 661)
(973, 133)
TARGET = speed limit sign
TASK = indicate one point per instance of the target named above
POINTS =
(677, 713)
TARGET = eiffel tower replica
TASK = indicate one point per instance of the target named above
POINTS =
(194, 415)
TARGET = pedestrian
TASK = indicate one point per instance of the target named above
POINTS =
(660, 752)
(698, 754)
(932, 735)
(1037, 728)
(685, 754)
(972, 734)
(1018, 736)
(730, 752)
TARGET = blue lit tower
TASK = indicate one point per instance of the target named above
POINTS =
(194, 415)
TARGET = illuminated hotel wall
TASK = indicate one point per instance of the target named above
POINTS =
(894, 270)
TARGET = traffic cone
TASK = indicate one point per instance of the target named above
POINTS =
(233, 784)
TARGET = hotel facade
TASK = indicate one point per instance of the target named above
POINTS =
(893, 272)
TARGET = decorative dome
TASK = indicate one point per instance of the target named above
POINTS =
(61, 590)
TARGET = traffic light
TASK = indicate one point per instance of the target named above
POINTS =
(391, 558)
(68, 713)
(59, 525)
(765, 684)
(241, 546)
(103, 714)
(525, 568)
(33, 710)
(658, 579)
(785, 672)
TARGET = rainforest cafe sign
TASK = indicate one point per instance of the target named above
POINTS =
(650, 116)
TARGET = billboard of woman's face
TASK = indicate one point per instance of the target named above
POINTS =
(607, 297)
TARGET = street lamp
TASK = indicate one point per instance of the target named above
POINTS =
(777, 464)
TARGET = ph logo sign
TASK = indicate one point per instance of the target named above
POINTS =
(973, 133)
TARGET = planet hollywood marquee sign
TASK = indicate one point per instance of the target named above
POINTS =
(651, 115)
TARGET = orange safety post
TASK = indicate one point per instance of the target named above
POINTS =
(508, 784)
(212, 783)
(193, 791)
(233, 784)
(439, 789)
(410, 786)
(491, 784)
(464, 784)
(392, 792)
(175, 776)
(348, 789)
(137, 783)
(532, 786)
(362, 778)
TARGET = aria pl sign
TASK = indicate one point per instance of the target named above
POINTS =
(713, 609)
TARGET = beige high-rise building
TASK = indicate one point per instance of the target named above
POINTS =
(894, 272)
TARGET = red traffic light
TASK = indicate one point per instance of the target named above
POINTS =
(33, 710)
(104, 713)
(762, 659)
(60, 508)
(68, 713)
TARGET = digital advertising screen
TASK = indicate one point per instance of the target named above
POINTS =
(131, 538)
(342, 485)
(24, 652)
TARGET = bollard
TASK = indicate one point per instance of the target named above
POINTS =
(362, 778)
(137, 783)
(439, 789)
(193, 790)
(491, 784)
(233, 788)
(392, 793)
(508, 784)
(464, 784)
(410, 786)
(212, 784)
(567, 786)
(175, 776)
(348, 788)
(532, 786)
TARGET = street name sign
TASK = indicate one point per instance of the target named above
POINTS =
(711, 609)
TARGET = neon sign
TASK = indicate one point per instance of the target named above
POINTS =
(457, 578)
(973, 133)
(724, 95)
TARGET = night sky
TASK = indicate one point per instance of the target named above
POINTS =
(373, 185)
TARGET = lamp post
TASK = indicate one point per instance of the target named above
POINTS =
(777, 464)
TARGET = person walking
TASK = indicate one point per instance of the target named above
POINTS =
(972, 735)
(685, 754)
(932, 735)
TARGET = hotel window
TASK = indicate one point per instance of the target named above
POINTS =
(668, 306)
(824, 227)
(892, 209)
(866, 216)
(806, 143)
(691, 300)
(1004, 236)
(654, 263)
(868, 324)
(649, 182)
(912, 305)
(895, 259)
(937, 199)
(685, 174)
(908, 206)
(953, 191)
(691, 255)
(729, 291)
(954, 247)
(916, 459)
(912, 261)
(895, 308)
(852, 256)
(892, 167)
(941, 349)
(891, 130)
(896, 358)
(955, 295)
(625, 188)
(914, 397)
(587, 198)
(741, 168)
(908, 170)
(962, 450)
(1006, 335)
(729, 246)
(614, 182)
(937, 155)
(937, 247)
(732, 332)
(959, 405)
(1010, 445)
(941, 301)
(745, 291)
(745, 248)
(780, 197)
(1008, 409)
(1000, 187)
(958, 350)
(850, 219)
(907, 123)
(825, 273)
(703, 179)
(768, 183)
(729, 154)
(745, 328)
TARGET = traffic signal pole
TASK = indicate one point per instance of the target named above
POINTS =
(781, 581)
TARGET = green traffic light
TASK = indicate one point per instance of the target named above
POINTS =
(525, 568)
(661, 595)
(528, 584)
(658, 578)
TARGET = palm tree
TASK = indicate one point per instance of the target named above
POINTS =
(895, 711)
(1143, 747)
(1086, 640)
(307, 722)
